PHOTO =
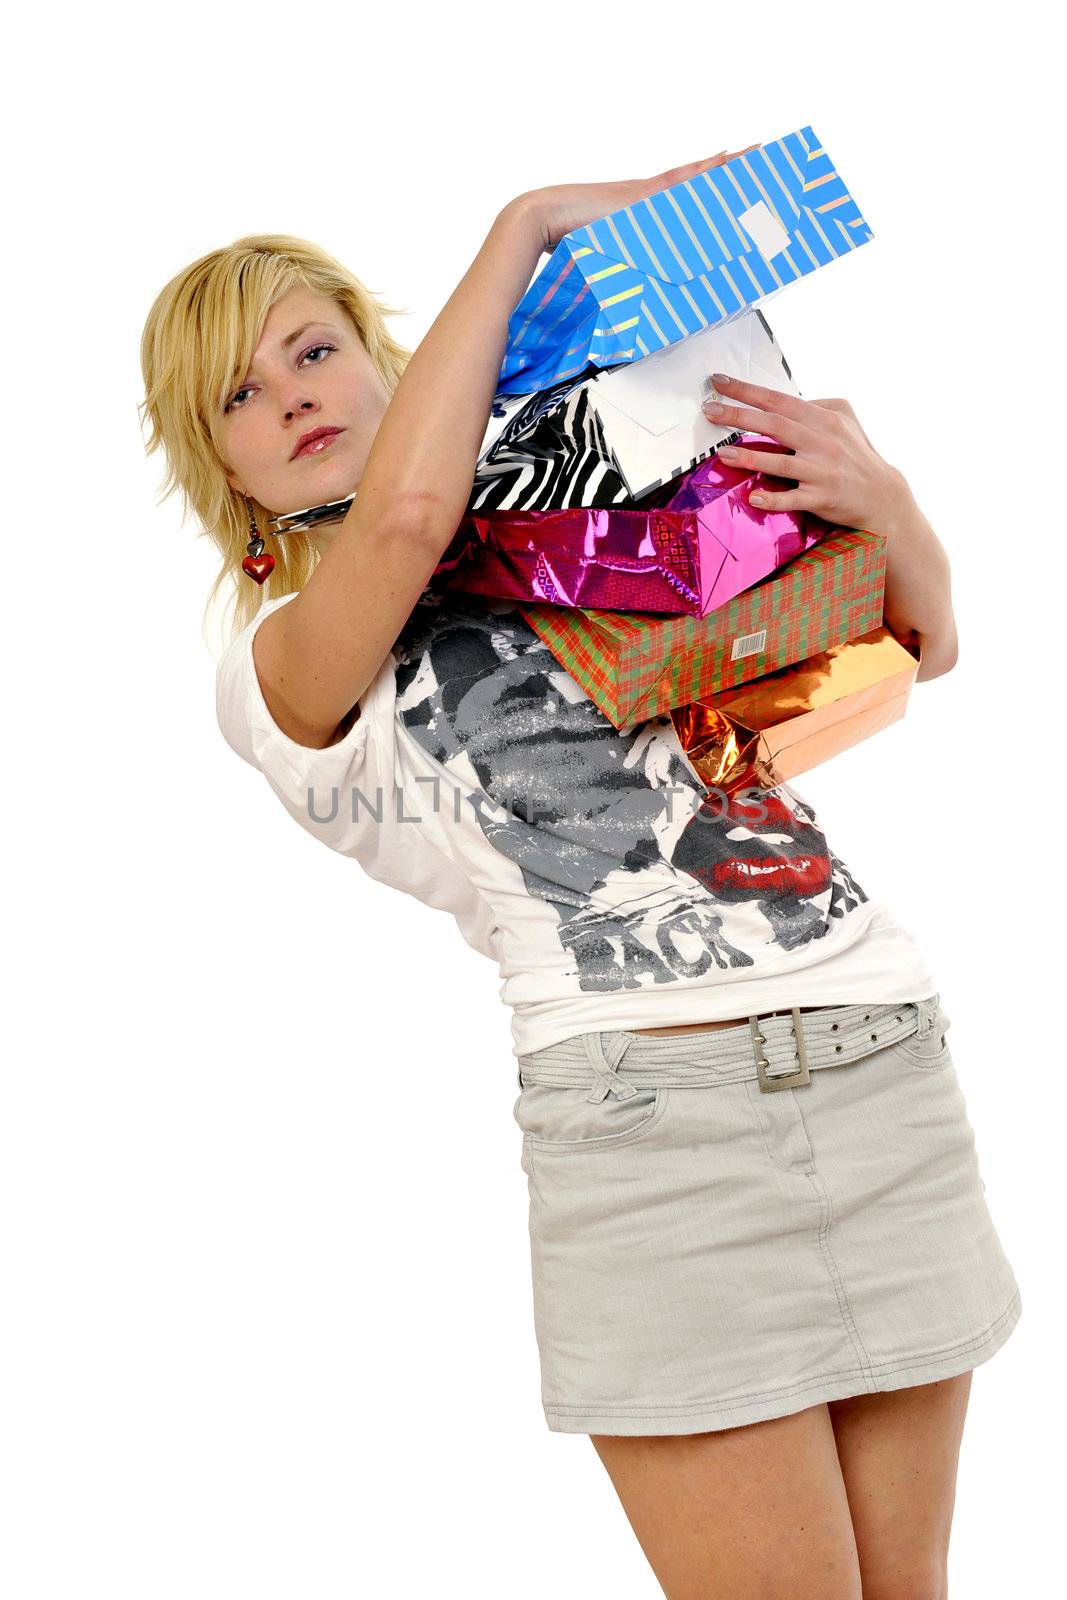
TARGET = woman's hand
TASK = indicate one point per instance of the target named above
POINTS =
(838, 473)
(562, 207)
(840, 477)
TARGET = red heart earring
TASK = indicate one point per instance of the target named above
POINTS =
(257, 563)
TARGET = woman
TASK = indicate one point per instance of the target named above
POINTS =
(763, 1264)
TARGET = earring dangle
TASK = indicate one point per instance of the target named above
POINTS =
(258, 563)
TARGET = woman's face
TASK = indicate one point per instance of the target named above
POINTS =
(310, 370)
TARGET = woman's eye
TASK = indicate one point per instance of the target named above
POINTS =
(236, 402)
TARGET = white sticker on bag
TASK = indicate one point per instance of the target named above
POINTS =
(764, 229)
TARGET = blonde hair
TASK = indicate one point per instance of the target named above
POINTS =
(198, 340)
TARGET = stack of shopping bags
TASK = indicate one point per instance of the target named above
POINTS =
(600, 503)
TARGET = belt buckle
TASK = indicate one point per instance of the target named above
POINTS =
(769, 1081)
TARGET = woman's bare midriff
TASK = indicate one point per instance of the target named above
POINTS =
(690, 1027)
(700, 1027)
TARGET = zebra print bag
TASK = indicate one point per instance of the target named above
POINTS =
(562, 447)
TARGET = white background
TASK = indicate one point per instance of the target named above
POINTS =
(266, 1325)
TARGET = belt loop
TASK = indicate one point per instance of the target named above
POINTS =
(605, 1051)
(927, 1010)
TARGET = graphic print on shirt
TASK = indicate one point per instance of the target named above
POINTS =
(651, 879)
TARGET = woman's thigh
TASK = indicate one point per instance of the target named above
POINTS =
(899, 1452)
(759, 1510)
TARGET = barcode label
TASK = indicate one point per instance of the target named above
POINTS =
(748, 644)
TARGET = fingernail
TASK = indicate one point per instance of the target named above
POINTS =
(721, 378)
(728, 453)
(715, 407)
(754, 499)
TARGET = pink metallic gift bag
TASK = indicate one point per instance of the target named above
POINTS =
(701, 545)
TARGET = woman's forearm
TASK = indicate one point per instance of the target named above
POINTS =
(918, 587)
(426, 448)
(317, 655)
(840, 476)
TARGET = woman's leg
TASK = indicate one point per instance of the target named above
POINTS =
(899, 1451)
(759, 1510)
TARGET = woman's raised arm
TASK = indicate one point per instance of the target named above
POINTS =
(316, 655)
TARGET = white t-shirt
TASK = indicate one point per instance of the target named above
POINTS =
(593, 866)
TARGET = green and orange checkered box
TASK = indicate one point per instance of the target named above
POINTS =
(635, 665)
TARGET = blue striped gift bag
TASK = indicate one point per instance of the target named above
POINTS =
(696, 254)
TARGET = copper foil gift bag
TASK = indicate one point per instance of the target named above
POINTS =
(775, 727)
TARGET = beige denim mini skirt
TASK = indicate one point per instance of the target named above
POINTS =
(734, 1225)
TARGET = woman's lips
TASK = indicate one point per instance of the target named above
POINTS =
(317, 446)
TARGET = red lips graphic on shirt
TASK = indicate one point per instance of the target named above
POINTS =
(784, 856)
